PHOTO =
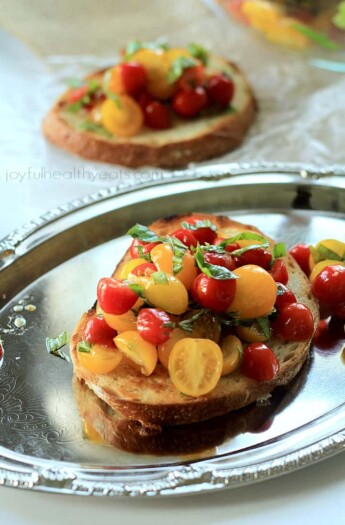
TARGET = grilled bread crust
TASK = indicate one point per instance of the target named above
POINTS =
(187, 141)
(154, 401)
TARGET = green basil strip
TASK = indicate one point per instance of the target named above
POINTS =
(199, 224)
(279, 250)
(187, 324)
(169, 324)
(178, 251)
(239, 252)
(247, 236)
(88, 125)
(54, 345)
(316, 254)
(84, 347)
(212, 270)
(138, 231)
(137, 288)
(231, 319)
(159, 277)
(178, 66)
(199, 52)
(264, 325)
(316, 36)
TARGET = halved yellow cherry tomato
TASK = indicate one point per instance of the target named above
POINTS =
(125, 268)
(142, 353)
(124, 119)
(256, 292)
(318, 267)
(100, 359)
(164, 349)
(157, 68)
(162, 257)
(232, 352)
(195, 366)
(334, 245)
(251, 333)
(171, 296)
(121, 323)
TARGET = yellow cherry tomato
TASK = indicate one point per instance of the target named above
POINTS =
(115, 84)
(321, 265)
(121, 323)
(164, 349)
(100, 359)
(171, 296)
(157, 68)
(232, 352)
(261, 14)
(333, 245)
(125, 268)
(256, 292)
(195, 366)
(251, 333)
(124, 119)
(142, 353)
(162, 257)
(285, 34)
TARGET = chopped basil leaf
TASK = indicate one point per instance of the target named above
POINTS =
(135, 45)
(212, 270)
(159, 277)
(279, 250)
(264, 326)
(199, 52)
(88, 125)
(75, 106)
(247, 236)
(239, 252)
(199, 224)
(169, 324)
(187, 324)
(84, 347)
(316, 36)
(137, 288)
(54, 345)
(178, 251)
(178, 66)
(316, 254)
(143, 233)
(326, 253)
(231, 319)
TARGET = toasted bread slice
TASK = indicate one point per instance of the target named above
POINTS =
(192, 140)
(154, 401)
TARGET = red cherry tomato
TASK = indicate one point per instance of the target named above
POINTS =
(188, 104)
(115, 296)
(286, 297)
(97, 331)
(150, 325)
(259, 362)
(279, 272)
(191, 78)
(146, 248)
(329, 286)
(229, 247)
(133, 76)
(329, 335)
(301, 254)
(220, 259)
(78, 93)
(215, 294)
(339, 311)
(220, 90)
(294, 323)
(185, 236)
(156, 115)
(144, 269)
(204, 234)
(257, 256)
(144, 99)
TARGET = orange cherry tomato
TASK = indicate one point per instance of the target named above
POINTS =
(100, 360)
(142, 353)
(123, 118)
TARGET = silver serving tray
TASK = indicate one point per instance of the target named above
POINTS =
(54, 263)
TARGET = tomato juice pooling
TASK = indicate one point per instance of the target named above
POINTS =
(200, 302)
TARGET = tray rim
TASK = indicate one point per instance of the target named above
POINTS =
(168, 479)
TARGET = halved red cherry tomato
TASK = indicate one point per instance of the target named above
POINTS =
(114, 296)
(220, 259)
(133, 77)
(191, 78)
(229, 247)
(150, 325)
(186, 236)
(294, 322)
(301, 254)
(146, 248)
(220, 90)
(215, 294)
(259, 362)
(329, 285)
(204, 234)
(156, 115)
(188, 104)
(144, 269)
(279, 272)
(286, 296)
(257, 256)
(97, 331)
